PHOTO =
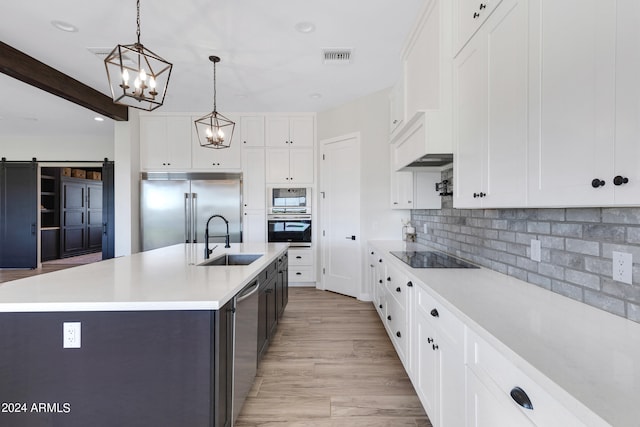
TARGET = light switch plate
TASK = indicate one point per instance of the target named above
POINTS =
(535, 250)
(622, 267)
(71, 335)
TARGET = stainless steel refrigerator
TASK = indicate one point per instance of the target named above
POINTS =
(176, 206)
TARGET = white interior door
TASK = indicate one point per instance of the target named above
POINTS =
(340, 220)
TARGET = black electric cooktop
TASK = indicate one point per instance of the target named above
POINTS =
(431, 259)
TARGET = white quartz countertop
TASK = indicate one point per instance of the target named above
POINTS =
(586, 356)
(162, 279)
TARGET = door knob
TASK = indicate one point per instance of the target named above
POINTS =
(619, 180)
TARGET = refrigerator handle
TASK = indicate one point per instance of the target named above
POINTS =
(187, 219)
(194, 216)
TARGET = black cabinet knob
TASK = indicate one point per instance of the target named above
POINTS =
(521, 398)
(380, 306)
(398, 289)
(388, 279)
(619, 180)
(380, 281)
(398, 334)
(380, 260)
(429, 340)
(597, 183)
(372, 253)
(434, 346)
(389, 317)
(410, 284)
(435, 313)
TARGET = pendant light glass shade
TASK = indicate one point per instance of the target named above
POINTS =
(138, 77)
(214, 130)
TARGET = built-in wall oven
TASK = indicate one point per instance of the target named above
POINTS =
(289, 216)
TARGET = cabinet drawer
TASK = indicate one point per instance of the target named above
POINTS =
(303, 273)
(492, 368)
(396, 324)
(442, 318)
(396, 284)
(300, 257)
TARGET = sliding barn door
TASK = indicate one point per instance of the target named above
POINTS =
(18, 215)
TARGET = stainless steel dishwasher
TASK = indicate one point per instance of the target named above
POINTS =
(245, 356)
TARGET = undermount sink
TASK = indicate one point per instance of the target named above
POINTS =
(232, 259)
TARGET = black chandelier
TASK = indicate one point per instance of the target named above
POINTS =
(150, 74)
(214, 130)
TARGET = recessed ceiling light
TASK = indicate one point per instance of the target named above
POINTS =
(65, 26)
(305, 27)
(315, 96)
(98, 119)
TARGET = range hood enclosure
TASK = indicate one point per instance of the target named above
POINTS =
(424, 142)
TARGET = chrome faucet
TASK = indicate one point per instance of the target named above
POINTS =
(208, 251)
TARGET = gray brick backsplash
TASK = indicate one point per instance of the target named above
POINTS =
(577, 244)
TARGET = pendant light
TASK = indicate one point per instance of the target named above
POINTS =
(138, 77)
(214, 130)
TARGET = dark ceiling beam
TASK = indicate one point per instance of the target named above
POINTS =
(23, 67)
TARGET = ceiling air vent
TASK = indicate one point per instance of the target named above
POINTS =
(337, 56)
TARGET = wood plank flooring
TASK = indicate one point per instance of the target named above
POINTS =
(9, 274)
(331, 364)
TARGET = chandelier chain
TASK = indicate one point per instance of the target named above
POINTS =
(214, 87)
(138, 21)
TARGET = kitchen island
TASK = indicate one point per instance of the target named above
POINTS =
(155, 332)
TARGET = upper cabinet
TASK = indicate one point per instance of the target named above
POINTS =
(469, 15)
(427, 68)
(584, 128)
(223, 159)
(396, 107)
(252, 131)
(491, 112)
(290, 131)
(165, 142)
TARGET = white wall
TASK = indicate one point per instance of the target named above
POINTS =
(368, 115)
(73, 147)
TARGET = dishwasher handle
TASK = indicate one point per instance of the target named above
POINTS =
(248, 291)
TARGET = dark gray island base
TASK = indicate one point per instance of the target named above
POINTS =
(134, 368)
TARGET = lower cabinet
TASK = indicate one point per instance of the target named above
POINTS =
(223, 365)
(272, 300)
(282, 284)
(302, 265)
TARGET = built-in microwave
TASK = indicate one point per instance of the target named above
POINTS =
(292, 200)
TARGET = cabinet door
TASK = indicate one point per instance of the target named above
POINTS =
(253, 179)
(301, 166)
(426, 366)
(252, 131)
(396, 107)
(94, 216)
(277, 131)
(254, 226)
(153, 142)
(178, 140)
(217, 159)
(485, 409)
(573, 53)
(301, 131)
(401, 190)
(277, 165)
(470, 123)
(223, 364)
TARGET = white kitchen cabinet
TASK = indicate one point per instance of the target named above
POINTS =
(290, 166)
(377, 267)
(254, 226)
(468, 17)
(584, 131)
(438, 360)
(415, 190)
(301, 265)
(165, 142)
(253, 179)
(224, 159)
(290, 131)
(398, 296)
(491, 112)
(252, 131)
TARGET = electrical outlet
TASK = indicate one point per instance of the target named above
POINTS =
(535, 250)
(71, 335)
(622, 267)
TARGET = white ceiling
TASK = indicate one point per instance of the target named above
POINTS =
(266, 64)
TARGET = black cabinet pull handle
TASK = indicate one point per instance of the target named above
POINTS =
(435, 313)
(298, 274)
(409, 284)
(521, 398)
(389, 317)
(434, 347)
(597, 183)
(389, 279)
(475, 15)
(380, 260)
(398, 289)
(619, 180)
(398, 334)
(482, 6)
(380, 280)
(298, 257)
(429, 340)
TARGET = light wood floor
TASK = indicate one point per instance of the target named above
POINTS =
(7, 275)
(331, 364)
